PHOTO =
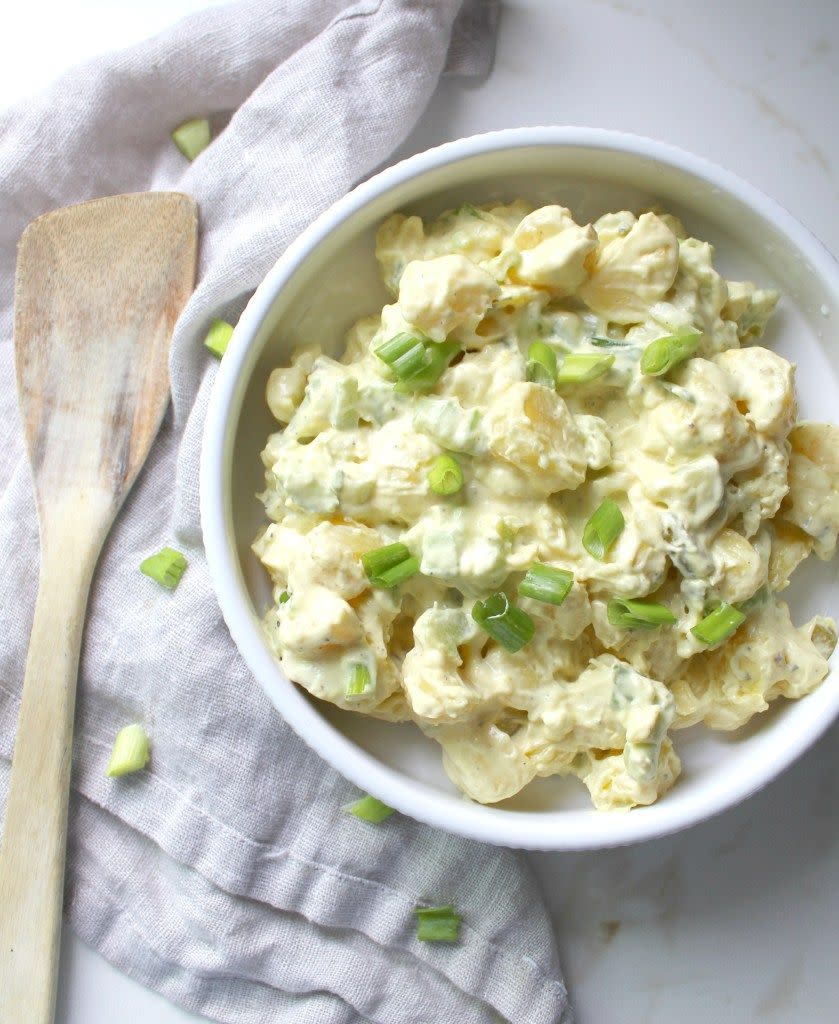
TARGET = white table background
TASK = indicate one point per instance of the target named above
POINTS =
(734, 920)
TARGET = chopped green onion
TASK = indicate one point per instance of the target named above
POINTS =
(437, 357)
(663, 354)
(368, 808)
(390, 565)
(130, 752)
(285, 596)
(509, 626)
(192, 137)
(581, 367)
(469, 210)
(638, 614)
(416, 361)
(404, 354)
(398, 574)
(437, 924)
(541, 364)
(719, 624)
(544, 583)
(603, 529)
(167, 567)
(218, 337)
(608, 342)
(407, 365)
(380, 559)
(445, 475)
(359, 681)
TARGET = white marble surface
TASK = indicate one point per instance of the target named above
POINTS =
(733, 921)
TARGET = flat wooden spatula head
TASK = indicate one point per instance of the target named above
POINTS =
(98, 289)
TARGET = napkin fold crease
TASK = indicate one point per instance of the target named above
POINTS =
(226, 876)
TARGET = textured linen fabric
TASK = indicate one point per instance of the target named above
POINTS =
(226, 875)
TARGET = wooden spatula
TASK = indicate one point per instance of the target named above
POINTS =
(98, 289)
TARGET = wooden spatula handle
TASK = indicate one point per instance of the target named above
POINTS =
(33, 844)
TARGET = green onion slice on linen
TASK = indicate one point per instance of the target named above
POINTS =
(582, 367)
(130, 752)
(192, 137)
(541, 364)
(437, 924)
(661, 355)
(167, 567)
(218, 337)
(445, 476)
(390, 565)
(437, 357)
(638, 614)
(368, 808)
(603, 528)
(719, 624)
(507, 625)
(360, 682)
(544, 583)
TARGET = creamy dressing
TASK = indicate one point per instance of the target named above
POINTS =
(722, 495)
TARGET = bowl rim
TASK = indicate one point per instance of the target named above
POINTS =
(574, 829)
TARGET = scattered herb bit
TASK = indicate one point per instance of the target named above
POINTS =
(678, 392)
(717, 626)
(417, 362)
(359, 681)
(541, 364)
(390, 565)
(438, 355)
(638, 614)
(130, 752)
(368, 808)
(608, 342)
(404, 353)
(507, 625)
(218, 337)
(544, 583)
(445, 476)
(192, 137)
(603, 529)
(582, 367)
(437, 924)
(167, 567)
(661, 355)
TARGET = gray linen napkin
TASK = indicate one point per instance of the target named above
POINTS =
(226, 875)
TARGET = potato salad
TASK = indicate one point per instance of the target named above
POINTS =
(546, 502)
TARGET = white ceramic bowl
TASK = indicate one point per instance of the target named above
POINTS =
(328, 278)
